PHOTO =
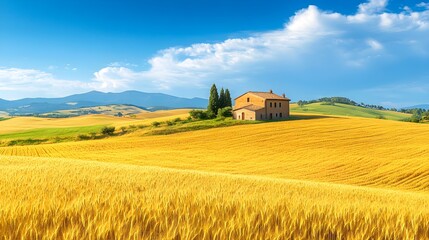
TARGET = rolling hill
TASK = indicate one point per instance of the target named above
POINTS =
(153, 101)
(316, 177)
(340, 109)
(110, 110)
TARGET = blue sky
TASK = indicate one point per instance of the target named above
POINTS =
(374, 52)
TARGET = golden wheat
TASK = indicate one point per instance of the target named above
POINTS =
(354, 151)
(354, 179)
(70, 199)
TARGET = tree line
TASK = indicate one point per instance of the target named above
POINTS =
(417, 114)
(344, 100)
(220, 105)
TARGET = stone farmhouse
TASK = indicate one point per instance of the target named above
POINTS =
(261, 106)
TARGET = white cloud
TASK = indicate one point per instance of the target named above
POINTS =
(20, 83)
(374, 44)
(372, 7)
(316, 47)
(423, 5)
(324, 38)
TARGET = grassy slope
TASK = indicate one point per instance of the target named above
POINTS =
(46, 133)
(348, 110)
(46, 128)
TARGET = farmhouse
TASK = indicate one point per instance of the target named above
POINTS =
(261, 106)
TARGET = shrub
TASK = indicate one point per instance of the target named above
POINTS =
(199, 114)
(156, 124)
(224, 112)
(83, 137)
(107, 130)
(169, 123)
(123, 130)
(141, 126)
(177, 120)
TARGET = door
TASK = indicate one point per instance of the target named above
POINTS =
(271, 116)
(242, 116)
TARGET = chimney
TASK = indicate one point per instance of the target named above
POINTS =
(284, 95)
(271, 91)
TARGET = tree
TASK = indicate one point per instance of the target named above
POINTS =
(300, 103)
(222, 99)
(213, 101)
(107, 130)
(119, 114)
(228, 101)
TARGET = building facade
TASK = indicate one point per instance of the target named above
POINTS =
(261, 106)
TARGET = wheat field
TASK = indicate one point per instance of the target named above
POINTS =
(320, 178)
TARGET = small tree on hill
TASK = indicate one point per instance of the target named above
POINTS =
(213, 101)
(108, 130)
(228, 101)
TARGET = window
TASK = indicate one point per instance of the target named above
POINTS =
(271, 104)
(281, 115)
(248, 99)
(276, 115)
(271, 116)
(280, 105)
(275, 104)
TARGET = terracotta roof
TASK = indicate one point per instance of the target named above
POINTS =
(267, 95)
(250, 107)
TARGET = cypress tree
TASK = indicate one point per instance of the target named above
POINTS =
(213, 100)
(228, 101)
(222, 99)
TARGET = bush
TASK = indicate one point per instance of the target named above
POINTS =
(224, 112)
(156, 124)
(83, 137)
(199, 114)
(123, 130)
(107, 130)
(177, 120)
(169, 123)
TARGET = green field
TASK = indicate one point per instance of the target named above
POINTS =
(51, 133)
(348, 110)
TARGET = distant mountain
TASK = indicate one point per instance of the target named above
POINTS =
(95, 98)
(422, 106)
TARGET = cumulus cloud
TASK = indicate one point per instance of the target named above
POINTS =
(423, 5)
(314, 48)
(20, 83)
(373, 6)
(324, 41)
